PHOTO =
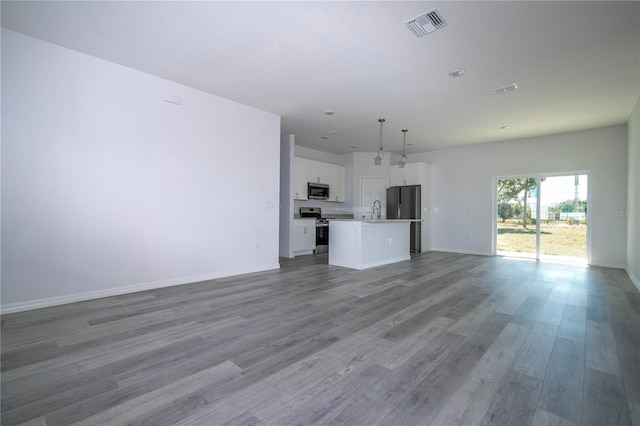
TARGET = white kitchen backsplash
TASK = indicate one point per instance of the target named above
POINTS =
(326, 206)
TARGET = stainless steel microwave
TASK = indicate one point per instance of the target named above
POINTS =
(318, 191)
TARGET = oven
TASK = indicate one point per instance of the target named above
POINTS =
(322, 227)
(322, 235)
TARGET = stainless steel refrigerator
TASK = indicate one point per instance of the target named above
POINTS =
(403, 202)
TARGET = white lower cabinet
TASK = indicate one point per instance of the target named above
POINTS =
(304, 236)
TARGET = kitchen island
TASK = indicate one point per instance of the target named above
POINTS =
(362, 244)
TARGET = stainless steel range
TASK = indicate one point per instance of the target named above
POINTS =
(322, 227)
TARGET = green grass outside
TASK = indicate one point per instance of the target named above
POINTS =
(556, 238)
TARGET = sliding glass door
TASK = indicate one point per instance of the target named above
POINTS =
(542, 217)
(563, 224)
(516, 233)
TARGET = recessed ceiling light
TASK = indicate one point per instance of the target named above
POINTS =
(505, 127)
(332, 132)
(506, 88)
(324, 137)
(456, 72)
(329, 112)
(409, 144)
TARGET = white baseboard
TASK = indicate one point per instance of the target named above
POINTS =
(362, 266)
(608, 265)
(473, 252)
(302, 253)
(633, 278)
(134, 288)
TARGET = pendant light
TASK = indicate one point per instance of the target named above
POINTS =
(378, 158)
(403, 160)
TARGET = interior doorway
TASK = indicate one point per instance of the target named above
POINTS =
(543, 217)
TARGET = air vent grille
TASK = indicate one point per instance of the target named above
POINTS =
(506, 88)
(426, 23)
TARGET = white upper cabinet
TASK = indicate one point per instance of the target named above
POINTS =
(336, 180)
(317, 172)
(305, 171)
(397, 176)
(411, 174)
(299, 178)
(415, 173)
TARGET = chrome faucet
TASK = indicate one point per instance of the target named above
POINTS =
(378, 209)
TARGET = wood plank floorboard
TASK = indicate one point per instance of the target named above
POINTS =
(515, 402)
(605, 401)
(563, 393)
(535, 353)
(442, 338)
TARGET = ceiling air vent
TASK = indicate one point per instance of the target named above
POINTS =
(506, 88)
(426, 23)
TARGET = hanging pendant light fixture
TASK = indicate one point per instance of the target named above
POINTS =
(403, 160)
(378, 158)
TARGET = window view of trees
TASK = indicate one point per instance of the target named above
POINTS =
(510, 192)
(562, 208)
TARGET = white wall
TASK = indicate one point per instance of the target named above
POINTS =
(314, 154)
(633, 198)
(107, 189)
(462, 187)
(286, 189)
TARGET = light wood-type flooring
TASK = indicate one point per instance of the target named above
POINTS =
(441, 339)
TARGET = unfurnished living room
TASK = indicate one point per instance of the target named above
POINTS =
(323, 212)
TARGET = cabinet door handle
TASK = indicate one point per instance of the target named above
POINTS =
(305, 230)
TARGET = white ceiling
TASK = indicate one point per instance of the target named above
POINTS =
(577, 64)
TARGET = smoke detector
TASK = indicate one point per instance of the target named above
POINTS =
(426, 23)
(456, 72)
